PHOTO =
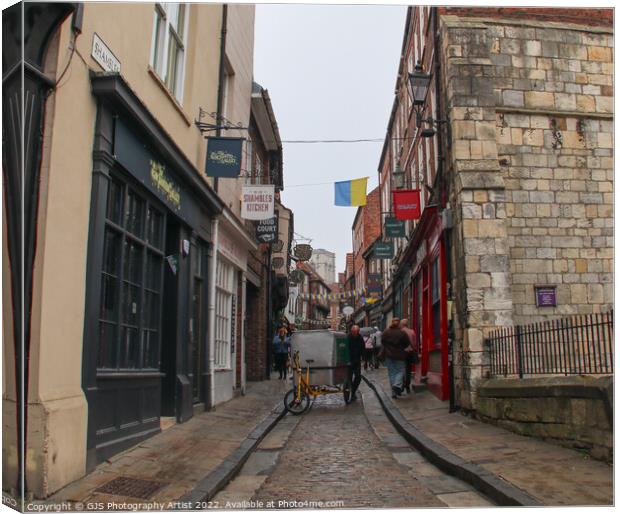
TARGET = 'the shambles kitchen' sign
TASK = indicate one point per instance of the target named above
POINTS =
(257, 202)
(224, 157)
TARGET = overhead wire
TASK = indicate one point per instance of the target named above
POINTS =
(367, 140)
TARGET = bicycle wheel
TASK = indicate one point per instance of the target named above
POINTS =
(346, 391)
(295, 406)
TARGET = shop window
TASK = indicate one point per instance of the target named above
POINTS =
(435, 302)
(224, 292)
(131, 277)
(168, 45)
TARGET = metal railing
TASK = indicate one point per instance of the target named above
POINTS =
(579, 345)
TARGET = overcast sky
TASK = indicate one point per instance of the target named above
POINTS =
(330, 71)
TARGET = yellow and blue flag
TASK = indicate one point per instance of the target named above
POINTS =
(351, 192)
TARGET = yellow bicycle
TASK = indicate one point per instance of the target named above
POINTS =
(297, 400)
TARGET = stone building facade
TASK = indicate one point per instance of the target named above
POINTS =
(531, 173)
(324, 262)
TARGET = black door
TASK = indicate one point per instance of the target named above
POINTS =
(170, 318)
(128, 379)
(197, 347)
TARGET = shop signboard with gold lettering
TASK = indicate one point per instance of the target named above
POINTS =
(144, 163)
(224, 156)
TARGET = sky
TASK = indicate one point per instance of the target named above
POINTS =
(330, 71)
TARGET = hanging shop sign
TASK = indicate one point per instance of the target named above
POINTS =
(257, 202)
(267, 230)
(347, 310)
(407, 204)
(224, 157)
(277, 246)
(303, 252)
(374, 283)
(545, 296)
(277, 263)
(394, 227)
(297, 276)
(383, 250)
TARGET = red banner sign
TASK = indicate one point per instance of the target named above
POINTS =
(407, 204)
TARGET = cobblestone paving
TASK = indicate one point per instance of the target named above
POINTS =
(333, 455)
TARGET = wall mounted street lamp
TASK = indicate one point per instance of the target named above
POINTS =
(419, 83)
(399, 177)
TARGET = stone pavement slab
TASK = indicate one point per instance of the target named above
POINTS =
(184, 454)
(552, 474)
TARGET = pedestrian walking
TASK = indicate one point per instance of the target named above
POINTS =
(394, 342)
(356, 349)
(369, 350)
(412, 353)
(281, 345)
(376, 341)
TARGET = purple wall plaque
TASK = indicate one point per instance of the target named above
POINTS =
(545, 297)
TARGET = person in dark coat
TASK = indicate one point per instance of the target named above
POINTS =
(394, 341)
(356, 350)
(281, 346)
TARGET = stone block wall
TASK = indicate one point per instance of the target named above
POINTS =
(529, 169)
(554, 133)
(571, 411)
(477, 198)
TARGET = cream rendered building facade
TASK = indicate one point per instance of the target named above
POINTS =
(91, 393)
(233, 240)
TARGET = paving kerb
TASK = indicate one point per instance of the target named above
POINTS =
(499, 490)
(217, 479)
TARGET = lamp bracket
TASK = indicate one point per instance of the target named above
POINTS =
(221, 122)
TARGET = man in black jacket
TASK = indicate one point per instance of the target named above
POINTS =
(356, 350)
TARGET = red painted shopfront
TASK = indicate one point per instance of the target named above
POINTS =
(429, 303)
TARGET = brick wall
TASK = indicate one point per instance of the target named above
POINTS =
(592, 17)
(257, 341)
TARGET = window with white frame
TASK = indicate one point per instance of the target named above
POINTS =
(224, 298)
(168, 45)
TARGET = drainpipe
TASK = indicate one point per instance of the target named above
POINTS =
(243, 334)
(443, 200)
(269, 316)
(220, 81)
(210, 394)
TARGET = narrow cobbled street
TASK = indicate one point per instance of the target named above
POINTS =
(338, 456)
